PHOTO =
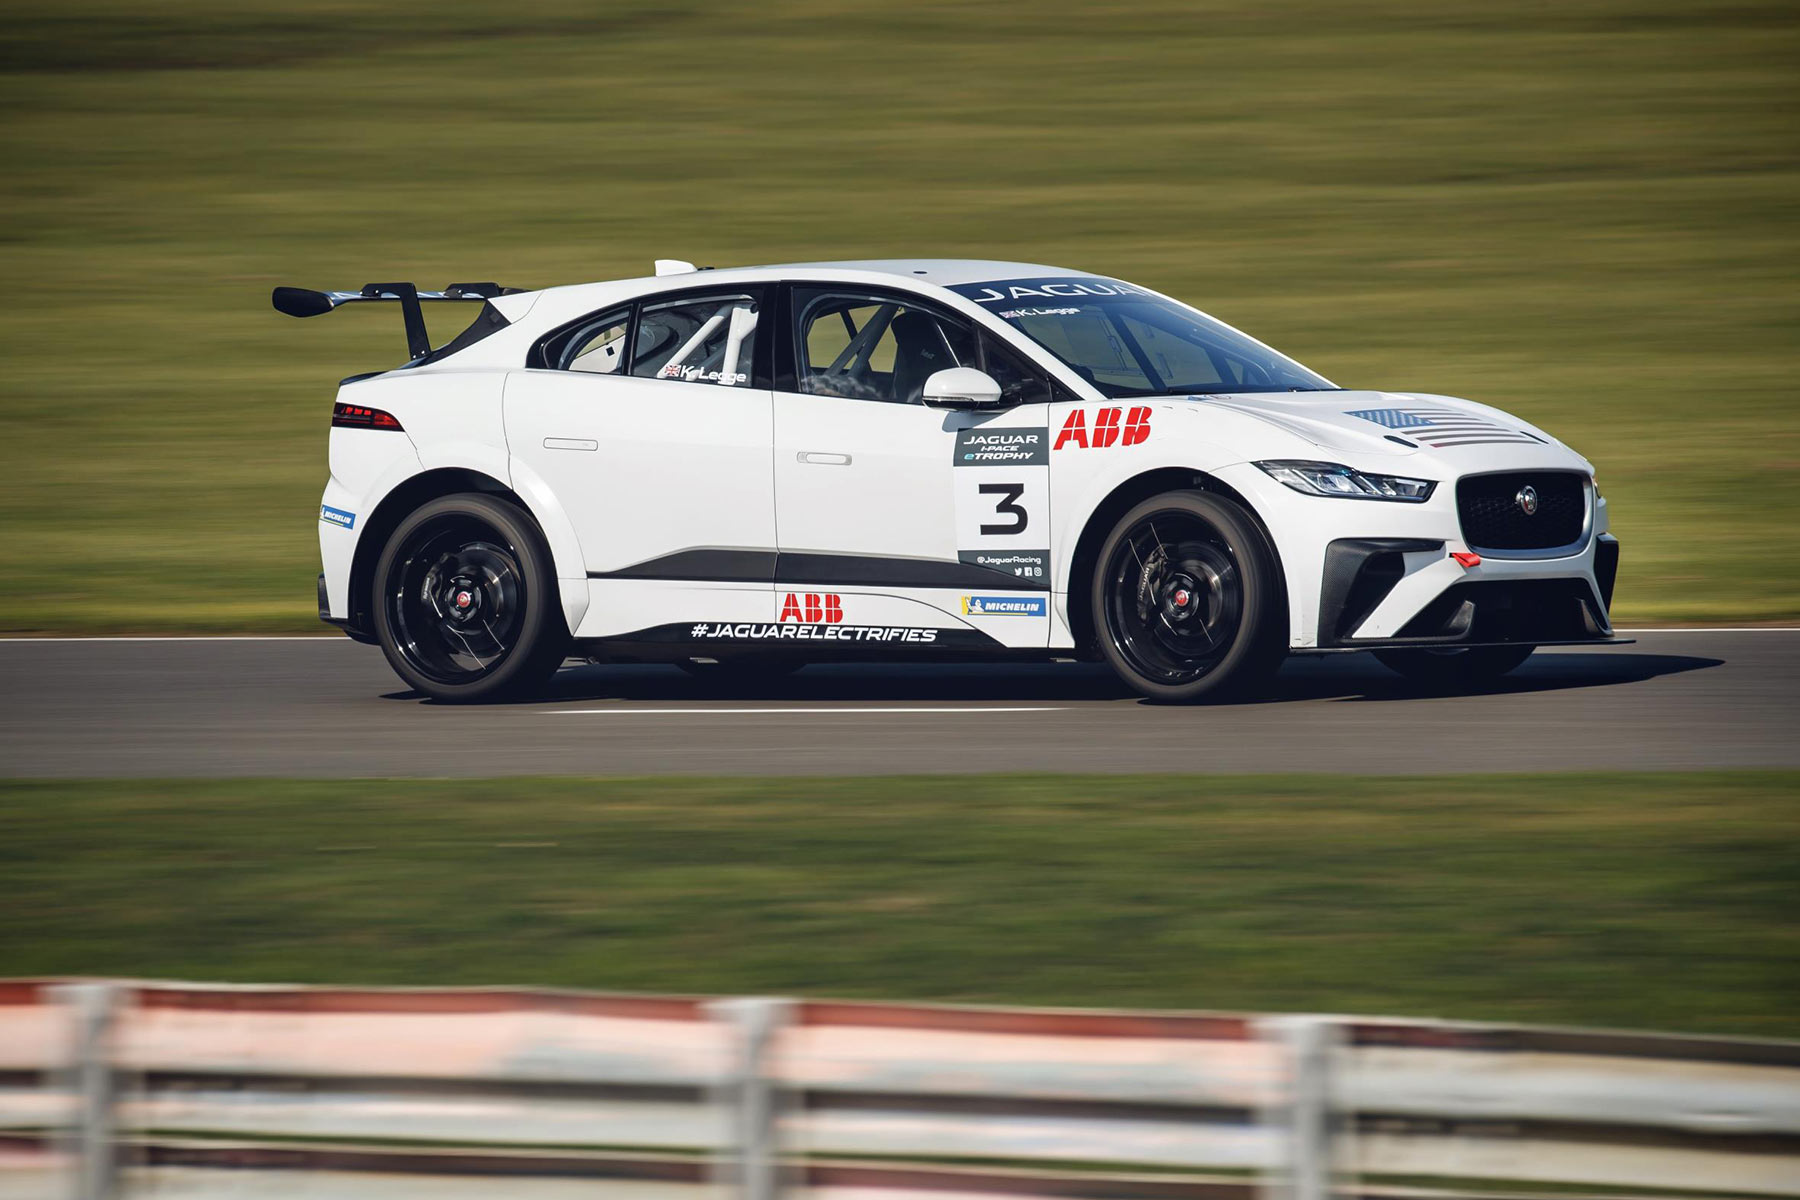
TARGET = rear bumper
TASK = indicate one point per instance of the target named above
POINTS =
(342, 623)
(1506, 603)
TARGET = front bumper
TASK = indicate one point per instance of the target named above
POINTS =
(1506, 604)
(1367, 575)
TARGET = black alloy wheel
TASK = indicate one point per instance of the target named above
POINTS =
(466, 605)
(1187, 598)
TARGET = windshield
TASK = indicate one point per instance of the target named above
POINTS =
(1129, 342)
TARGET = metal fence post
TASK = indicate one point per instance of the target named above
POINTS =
(751, 1163)
(89, 1076)
(1304, 1115)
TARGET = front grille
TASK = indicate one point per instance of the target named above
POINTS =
(1492, 518)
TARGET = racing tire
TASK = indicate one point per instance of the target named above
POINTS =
(1188, 600)
(466, 604)
(1455, 668)
(745, 668)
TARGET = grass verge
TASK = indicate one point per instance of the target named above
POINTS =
(1648, 900)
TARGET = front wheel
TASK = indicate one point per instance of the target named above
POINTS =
(1450, 667)
(1187, 600)
(466, 607)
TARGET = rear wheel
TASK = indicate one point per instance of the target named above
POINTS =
(1187, 599)
(1451, 667)
(466, 607)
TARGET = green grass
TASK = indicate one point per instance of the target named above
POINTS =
(1656, 900)
(1582, 211)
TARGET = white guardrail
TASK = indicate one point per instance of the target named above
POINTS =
(186, 1090)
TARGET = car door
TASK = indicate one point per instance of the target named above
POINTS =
(892, 513)
(652, 424)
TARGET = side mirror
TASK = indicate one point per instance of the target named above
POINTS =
(961, 387)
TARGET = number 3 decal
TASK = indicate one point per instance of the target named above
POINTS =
(1007, 506)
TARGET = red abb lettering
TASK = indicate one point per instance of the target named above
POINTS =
(1108, 430)
(811, 608)
(1137, 426)
(1074, 430)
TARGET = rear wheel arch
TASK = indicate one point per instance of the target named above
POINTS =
(1127, 495)
(466, 600)
(405, 498)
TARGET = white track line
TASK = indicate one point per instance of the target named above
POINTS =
(841, 711)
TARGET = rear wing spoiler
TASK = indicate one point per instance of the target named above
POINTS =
(302, 302)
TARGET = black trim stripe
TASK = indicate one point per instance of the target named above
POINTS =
(713, 566)
(821, 570)
(856, 570)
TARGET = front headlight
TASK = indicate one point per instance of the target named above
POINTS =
(1335, 479)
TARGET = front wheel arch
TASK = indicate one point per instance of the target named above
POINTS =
(1119, 501)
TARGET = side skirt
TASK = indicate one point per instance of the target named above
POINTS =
(1434, 644)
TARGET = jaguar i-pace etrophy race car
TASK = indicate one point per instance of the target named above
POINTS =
(742, 471)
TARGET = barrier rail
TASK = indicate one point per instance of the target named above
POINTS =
(112, 1088)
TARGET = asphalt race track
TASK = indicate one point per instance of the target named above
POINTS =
(329, 707)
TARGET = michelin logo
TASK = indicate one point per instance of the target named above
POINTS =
(337, 516)
(1004, 606)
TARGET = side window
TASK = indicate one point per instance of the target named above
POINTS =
(710, 339)
(594, 345)
(598, 348)
(871, 347)
(1020, 382)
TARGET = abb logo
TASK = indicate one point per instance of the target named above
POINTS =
(812, 609)
(1107, 428)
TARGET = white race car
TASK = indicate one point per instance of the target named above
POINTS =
(746, 470)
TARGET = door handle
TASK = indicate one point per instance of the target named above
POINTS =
(818, 458)
(571, 444)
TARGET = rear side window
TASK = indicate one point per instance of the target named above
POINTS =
(708, 339)
(874, 347)
(598, 347)
(594, 345)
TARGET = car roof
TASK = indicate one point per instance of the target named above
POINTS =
(945, 272)
(553, 305)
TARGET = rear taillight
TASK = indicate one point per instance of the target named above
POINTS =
(355, 416)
